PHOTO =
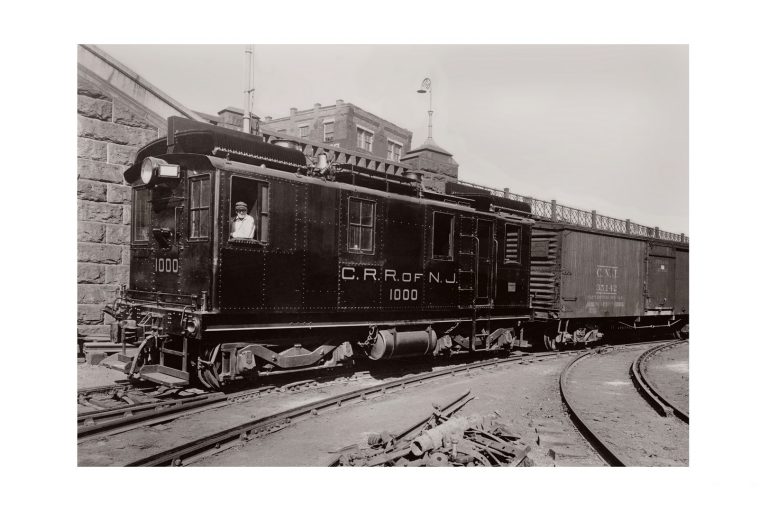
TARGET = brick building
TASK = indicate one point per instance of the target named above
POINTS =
(117, 112)
(343, 125)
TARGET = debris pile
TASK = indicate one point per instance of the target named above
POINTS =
(459, 441)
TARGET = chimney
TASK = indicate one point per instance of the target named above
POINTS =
(317, 106)
(339, 103)
(294, 110)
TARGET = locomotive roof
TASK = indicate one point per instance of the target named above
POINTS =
(441, 200)
(231, 150)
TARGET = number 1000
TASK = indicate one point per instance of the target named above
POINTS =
(403, 294)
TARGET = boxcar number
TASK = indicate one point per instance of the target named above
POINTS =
(167, 265)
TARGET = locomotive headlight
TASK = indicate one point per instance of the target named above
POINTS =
(147, 170)
(154, 167)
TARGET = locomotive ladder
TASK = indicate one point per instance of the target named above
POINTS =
(468, 248)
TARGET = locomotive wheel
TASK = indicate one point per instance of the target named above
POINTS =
(549, 343)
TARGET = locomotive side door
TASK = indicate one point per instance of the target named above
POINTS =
(477, 259)
(485, 263)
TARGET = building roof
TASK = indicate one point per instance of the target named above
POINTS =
(430, 145)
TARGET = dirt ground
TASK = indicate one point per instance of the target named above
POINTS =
(606, 397)
(526, 396)
(668, 372)
(89, 375)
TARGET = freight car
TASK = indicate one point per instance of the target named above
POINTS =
(596, 279)
(589, 284)
(338, 262)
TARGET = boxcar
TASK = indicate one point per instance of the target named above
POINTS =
(587, 283)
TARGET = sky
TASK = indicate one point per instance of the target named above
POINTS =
(596, 127)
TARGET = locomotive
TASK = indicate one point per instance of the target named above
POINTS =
(340, 262)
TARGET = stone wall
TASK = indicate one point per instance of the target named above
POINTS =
(110, 128)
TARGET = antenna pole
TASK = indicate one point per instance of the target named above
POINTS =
(248, 88)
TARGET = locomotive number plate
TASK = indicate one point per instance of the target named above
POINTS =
(403, 294)
(167, 265)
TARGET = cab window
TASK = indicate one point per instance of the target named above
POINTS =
(249, 210)
(360, 226)
(142, 209)
(442, 236)
(199, 207)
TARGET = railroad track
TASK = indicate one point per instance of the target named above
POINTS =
(658, 401)
(209, 445)
(115, 420)
(581, 420)
(152, 405)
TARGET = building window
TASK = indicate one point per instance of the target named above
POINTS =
(328, 131)
(304, 131)
(442, 236)
(199, 207)
(360, 226)
(142, 209)
(394, 150)
(364, 139)
(255, 224)
(512, 244)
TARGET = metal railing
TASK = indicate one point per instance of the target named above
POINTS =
(554, 212)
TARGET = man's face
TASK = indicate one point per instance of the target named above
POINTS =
(240, 213)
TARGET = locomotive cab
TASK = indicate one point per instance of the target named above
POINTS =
(247, 260)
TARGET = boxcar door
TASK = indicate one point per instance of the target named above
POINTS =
(661, 282)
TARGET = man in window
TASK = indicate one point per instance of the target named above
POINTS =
(243, 225)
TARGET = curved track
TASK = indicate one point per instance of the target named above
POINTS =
(657, 398)
(598, 393)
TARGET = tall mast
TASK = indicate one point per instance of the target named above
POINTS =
(248, 93)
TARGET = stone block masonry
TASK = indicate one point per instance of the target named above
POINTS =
(110, 130)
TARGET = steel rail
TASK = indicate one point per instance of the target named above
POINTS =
(238, 435)
(117, 420)
(655, 398)
(125, 409)
(158, 412)
(602, 449)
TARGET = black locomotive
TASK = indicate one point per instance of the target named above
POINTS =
(328, 264)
